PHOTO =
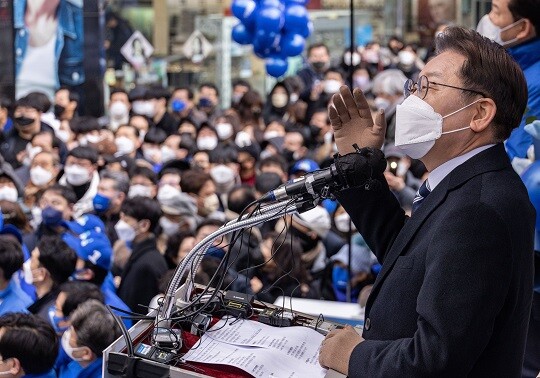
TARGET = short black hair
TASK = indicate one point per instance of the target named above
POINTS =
(173, 246)
(85, 152)
(193, 181)
(189, 91)
(28, 102)
(145, 172)
(274, 160)
(224, 154)
(11, 256)
(118, 90)
(209, 222)
(240, 197)
(316, 46)
(42, 99)
(135, 130)
(31, 340)
(63, 191)
(57, 257)
(84, 124)
(526, 9)
(242, 83)
(158, 93)
(78, 292)
(73, 95)
(209, 85)
(155, 136)
(143, 208)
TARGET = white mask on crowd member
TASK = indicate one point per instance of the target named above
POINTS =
(8, 193)
(381, 103)
(167, 154)
(119, 111)
(68, 348)
(294, 98)
(166, 194)
(279, 100)
(406, 58)
(76, 175)
(63, 135)
(207, 143)
(224, 177)
(168, 226)
(124, 231)
(211, 204)
(355, 58)
(124, 146)
(418, 126)
(489, 30)
(224, 130)
(139, 190)
(151, 154)
(40, 176)
(271, 134)
(331, 86)
(27, 272)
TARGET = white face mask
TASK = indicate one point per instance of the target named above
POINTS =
(63, 135)
(145, 108)
(280, 100)
(207, 143)
(406, 58)
(76, 175)
(166, 194)
(224, 177)
(402, 169)
(418, 126)
(355, 58)
(342, 222)
(27, 272)
(271, 134)
(489, 29)
(211, 204)
(140, 190)
(124, 146)
(9, 193)
(382, 103)
(224, 130)
(68, 348)
(293, 98)
(331, 86)
(124, 231)
(152, 154)
(169, 227)
(36, 217)
(167, 154)
(31, 152)
(119, 111)
(40, 176)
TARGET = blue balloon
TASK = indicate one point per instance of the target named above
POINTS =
(273, 4)
(531, 179)
(299, 2)
(267, 39)
(242, 35)
(292, 44)
(270, 19)
(296, 19)
(276, 66)
(243, 8)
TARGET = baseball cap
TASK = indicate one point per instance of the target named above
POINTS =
(304, 165)
(182, 204)
(96, 248)
(316, 219)
(87, 222)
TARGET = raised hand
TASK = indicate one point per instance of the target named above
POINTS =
(351, 119)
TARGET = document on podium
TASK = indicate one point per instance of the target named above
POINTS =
(261, 350)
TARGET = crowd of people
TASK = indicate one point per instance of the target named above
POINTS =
(100, 211)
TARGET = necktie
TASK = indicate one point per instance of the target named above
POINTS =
(420, 196)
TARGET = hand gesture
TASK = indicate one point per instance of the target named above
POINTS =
(337, 347)
(352, 121)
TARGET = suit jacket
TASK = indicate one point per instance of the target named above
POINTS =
(454, 294)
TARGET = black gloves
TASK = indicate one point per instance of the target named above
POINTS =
(361, 168)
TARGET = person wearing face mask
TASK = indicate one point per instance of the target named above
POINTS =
(409, 63)
(27, 122)
(28, 346)
(13, 298)
(42, 141)
(10, 185)
(294, 147)
(128, 142)
(92, 330)
(226, 129)
(333, 79)
(207, 138)
(209, 101)
(516, 26)
(457, 274)
(51, 264)
(139, 218)
(80, 174)
(151, 147)
(143, 183)
(388, 91)
(159, 98)
(66, 103)
(119, 109)
(202, 190)
(277, 105)
(183, 106)
(44, 169)
(318, 61)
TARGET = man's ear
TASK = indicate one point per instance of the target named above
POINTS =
(16, 367)
(88, 355)
(527, 30)
(486, 109)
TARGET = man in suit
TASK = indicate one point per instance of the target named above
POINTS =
(454, 294)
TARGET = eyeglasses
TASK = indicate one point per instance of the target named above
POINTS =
(422, 87)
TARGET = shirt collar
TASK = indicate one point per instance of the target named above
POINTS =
(443, 170)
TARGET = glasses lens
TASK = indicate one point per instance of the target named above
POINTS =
(423, 85)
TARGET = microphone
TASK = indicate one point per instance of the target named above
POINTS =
(362, 168)
(311, 183)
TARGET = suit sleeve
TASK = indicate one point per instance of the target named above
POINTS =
(468, 267)
(376, 214)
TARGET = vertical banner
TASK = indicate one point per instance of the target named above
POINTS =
(7, 59)
(59, 43)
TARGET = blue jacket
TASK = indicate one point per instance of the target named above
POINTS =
(49, 374)
(74, 370)
(528, 57)
(69, 41)
(14, 299)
